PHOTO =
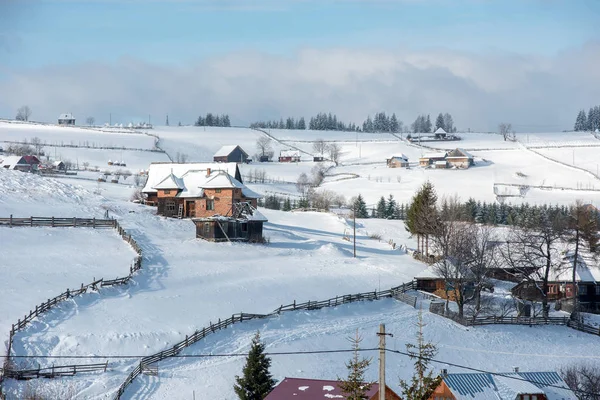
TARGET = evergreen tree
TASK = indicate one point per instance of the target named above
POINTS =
(439, 122)
(590, 120)
(226, 121)
(394, 124)
(256, 382)
(301, 123)
(287, 205)
(167, 121)
(360, 207)
(580, 122)
(390, 207)
(355, 387)
(422, 216)
(428, 125)
(423, 383)
(381, 208)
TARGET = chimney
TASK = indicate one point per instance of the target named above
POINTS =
(515, 369)
(208, 172)
(444, 373)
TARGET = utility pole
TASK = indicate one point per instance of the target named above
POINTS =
(110, 119)
(382, 334)
(354, 227)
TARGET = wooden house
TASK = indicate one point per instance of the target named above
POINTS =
(507, 386)
(230, 154)
(460, 158)
(289, 156)
(442, 164)
(58, 165)
(440, 133)
(158, 171)
(560, 285)
(429, 159)
(66, 119)
(200, 193)
(317, 389)
(399, 161)
(20, 163)
(245, 224)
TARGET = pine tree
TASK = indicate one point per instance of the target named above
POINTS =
(355, 387)
(360, 207)
(590, 120)
(301, 123)
(427, 125)
(381, 208)
(394, 124)
(287, 205)
(580, 122)
(256, 382)
(439, 122)
(167, 121)
(422, 216)
(390, 207)
(423, 383)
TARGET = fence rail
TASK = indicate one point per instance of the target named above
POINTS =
(56, 371)
(235, 318)
(95, 285)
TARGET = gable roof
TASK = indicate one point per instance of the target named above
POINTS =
(310, 389)
(66, 116)
(170, 182)
(440, 130)
(401, 156)
(458, 152)
(31, 159)
(159, 171)
(289, 153)
(11, 161)
(486, 386)
(227, 150)
(434, 155)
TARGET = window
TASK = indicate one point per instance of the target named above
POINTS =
(583, 290)
(217, 190)
(553, 289)
(170, 206)
(210, 204)
(167, 192)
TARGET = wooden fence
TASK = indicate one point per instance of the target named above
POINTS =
(439, 309)
(58, 222)
(145, 362)
(56, 371)
(95, 285)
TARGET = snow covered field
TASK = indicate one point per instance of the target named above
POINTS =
(186, 283)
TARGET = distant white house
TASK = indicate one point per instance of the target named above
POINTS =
(66, 119)
(289, 156)
(440, 133)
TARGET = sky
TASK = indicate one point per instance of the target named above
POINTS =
(533, 63)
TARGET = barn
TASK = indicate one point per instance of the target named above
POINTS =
(20, 163)
(231, 153)
(244, 224)
(460, 158)
(430, 158)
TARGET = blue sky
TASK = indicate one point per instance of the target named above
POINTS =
(46, 38)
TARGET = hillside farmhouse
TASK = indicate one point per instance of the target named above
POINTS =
(289, 156)
(313, 389)
(20, 163)
(527, 385)
(399, 161)
(457, 158)
(231, 154)
(66, 119)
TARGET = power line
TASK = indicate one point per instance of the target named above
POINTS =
(288, 353)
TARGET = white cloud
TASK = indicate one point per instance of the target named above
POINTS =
(479, 90)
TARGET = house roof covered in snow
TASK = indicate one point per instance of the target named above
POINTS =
(434, 155)
(440, 130)
(193, 183)
(587, 269)
(459, 153)
(227, 150)
(310, 389)
(289, 153)
(400, 156)
(11, 161)
(159, 171)
(487, 386)
(66, 116)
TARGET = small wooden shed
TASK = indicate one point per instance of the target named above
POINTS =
(231, 153)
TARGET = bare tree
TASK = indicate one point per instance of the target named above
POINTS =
(263, 145)
(85, 165)
(505, 130)
(484, 253)
(136, 180)
(90, 120)
(36, 142)
(302, 184)
(334, 151)
(23, 113)
(535, 252)
(319, 146)
(584, 380)
(181, 157)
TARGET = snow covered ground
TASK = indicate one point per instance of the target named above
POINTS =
(186, 283)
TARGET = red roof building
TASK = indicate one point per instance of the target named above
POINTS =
(317, 389)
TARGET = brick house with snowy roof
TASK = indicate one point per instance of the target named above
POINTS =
(317, 389)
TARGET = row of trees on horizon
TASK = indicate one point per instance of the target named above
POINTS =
(589, 122)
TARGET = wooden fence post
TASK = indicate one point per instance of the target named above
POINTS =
(94, 222)
(106, 366)
(294, 304)
(31, 221)
(74, 222)
(53, 222)
(10, 221)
